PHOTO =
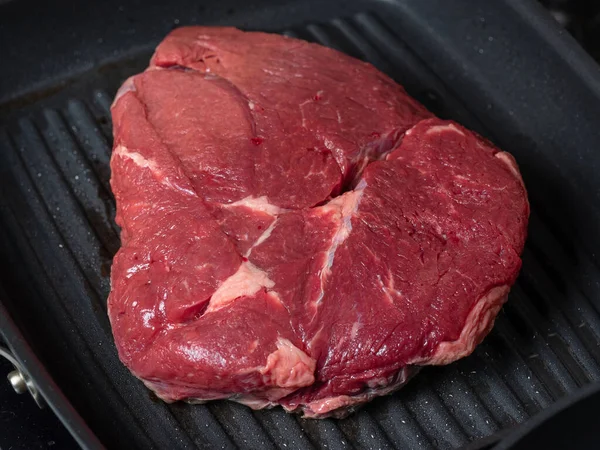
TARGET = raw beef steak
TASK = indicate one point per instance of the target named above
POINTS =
(296, 229)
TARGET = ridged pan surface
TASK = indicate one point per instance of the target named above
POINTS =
(58, 237)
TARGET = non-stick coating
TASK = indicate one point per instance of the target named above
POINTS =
(501, 68)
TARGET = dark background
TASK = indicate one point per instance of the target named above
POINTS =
(24, 426)
(581, 18)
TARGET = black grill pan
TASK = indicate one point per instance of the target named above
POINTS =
(502, 68)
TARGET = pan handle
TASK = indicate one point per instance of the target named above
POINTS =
(19, 380)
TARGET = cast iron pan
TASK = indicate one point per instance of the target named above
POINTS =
(502, 68)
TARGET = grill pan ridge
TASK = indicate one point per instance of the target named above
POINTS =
(58, 236)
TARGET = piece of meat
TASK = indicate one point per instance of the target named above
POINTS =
(297, 230)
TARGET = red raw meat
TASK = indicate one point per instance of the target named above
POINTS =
(296, 229)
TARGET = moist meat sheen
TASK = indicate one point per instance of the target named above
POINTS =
(296, 229)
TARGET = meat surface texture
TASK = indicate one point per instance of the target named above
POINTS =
(296, 229)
